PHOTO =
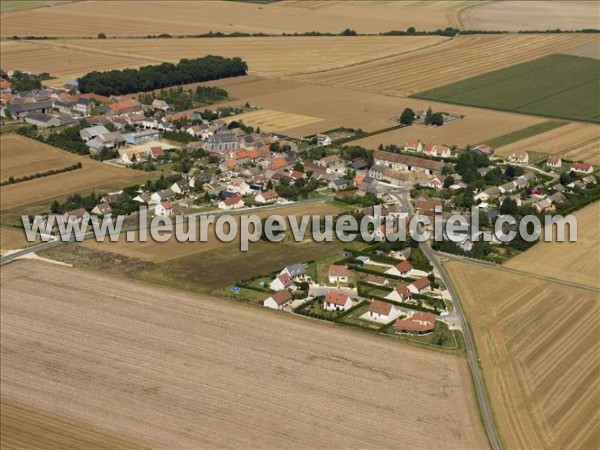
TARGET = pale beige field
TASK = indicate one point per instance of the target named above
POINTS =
(12, 239)
(123, 18)
(477, 126)
(455, 60)
(24, 427)
(18, 151)
(590, 50)
(344, 107)
(523, 15)
(160, 252)
(539, 345)
(575, 141)
(276, 121)
(273, 56)
(571, 261)
(183, 371)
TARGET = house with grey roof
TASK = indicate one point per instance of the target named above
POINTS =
(91, 132)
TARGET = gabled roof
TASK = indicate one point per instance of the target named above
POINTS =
(407, 160)
(404, 266)
(336, 298)
(380, 307)
(419, 322)
(421, 283)
(282, 297)
(338, 271)
(269, 195)
(296, 270)
(234, 200)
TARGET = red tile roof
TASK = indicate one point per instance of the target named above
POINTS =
(404, 266)
(270, 195)
(233, 200)
(419, 322)
(421, 283)
(380, 307)
(282, 297)
(338, 271)
(580, 166)
(336, 298)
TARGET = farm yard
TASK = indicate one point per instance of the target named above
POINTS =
(149, 368)
(539, 345)
(457, 59)
(125, 18)
(561, 86)
(18, 152)
(574, 261)
(574, 141)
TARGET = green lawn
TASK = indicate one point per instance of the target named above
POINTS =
(524, 133)
(560, 86)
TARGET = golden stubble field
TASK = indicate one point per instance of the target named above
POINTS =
(519, 15)
(539, 346)
(18, 152)
(575, 141)
(181, 371)
(577, 262)
(460, 58)
(126, 18)
(266, 56)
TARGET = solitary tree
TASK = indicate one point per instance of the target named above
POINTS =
(101, 36)
(411, 30)
(407, 117)
(428, 115)
(437, 119)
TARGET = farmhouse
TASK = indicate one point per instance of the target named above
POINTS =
(233, 202)
(278, 300)
(400, 294)
(382, 311)
(413, 145)
(337, 301)
(581, 167)
(281, 282)
(338, 274)
(418, 323)
(266, 197)
(400, 270)
(408, 163)
(419, 286)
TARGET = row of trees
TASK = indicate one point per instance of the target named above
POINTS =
(148, 78)
(47, 173)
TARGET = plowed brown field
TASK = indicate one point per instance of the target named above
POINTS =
(181, 371)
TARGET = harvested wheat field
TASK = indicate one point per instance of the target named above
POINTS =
(577, 262)
(181, 371)
(24, 426)
(274, 121)
(522, 15)
(575, 141)
(272, 56)
(13, 239)
(460, 58)
(19, 151)
(477, 126)
(539, 345)
(126, 18)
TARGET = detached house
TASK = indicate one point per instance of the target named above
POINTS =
(413, 146)
(519, 158)
(337, 301)
(163, 209)
(419, 286)
(400, 270)
(278, 300)
(234, 202)
(554, 162)
(282, 281)
(400, 294)
(267, 197)
(296, 271)
(418, 323)
(581, 167)
(102, 209)
(338, 274)
(383, 311)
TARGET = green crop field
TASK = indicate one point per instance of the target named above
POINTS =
(561, 86)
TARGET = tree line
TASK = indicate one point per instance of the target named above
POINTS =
(13, 180)
(148, 78)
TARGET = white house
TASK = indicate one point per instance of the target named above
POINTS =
(102, 209)
(323, 139)
(337, 301)
(76, 215)
(554, 162)
(180, 187)
(377, 281)
(419, 286)
(296, 271)
(281, 282)
(162, 195)
(278, 300)
(234, 202)
(400, 294)
(338, 274)
(383, 311)
(581, 168)
(519, 158)
(414, 146)
(266, 197)
(163, 209)
(400, 270)
(239, 186)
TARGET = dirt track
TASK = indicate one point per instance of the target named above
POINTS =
(176, 370)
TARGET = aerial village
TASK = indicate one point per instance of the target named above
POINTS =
(210, 162)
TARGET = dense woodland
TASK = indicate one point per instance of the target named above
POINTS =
(148, 78)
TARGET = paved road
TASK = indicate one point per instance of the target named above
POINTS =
(473, 359)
